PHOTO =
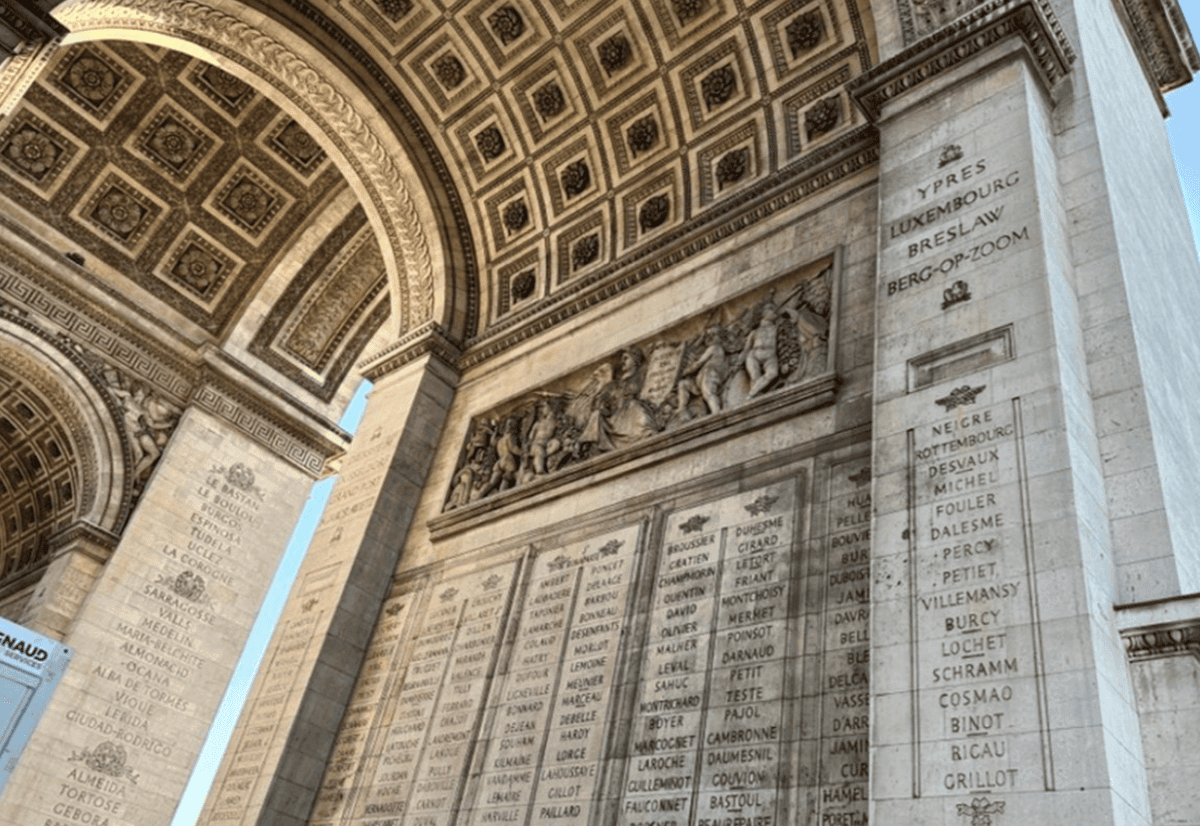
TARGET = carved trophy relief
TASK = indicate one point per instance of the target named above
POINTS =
(748, 348)
(148, 418)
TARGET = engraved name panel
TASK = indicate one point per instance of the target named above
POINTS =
(707, 738)
(548, 733)
(980, 699)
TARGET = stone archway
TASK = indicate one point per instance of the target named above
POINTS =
(54, 416)
(266, 54)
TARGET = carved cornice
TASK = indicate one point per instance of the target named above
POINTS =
(1170, 640)
(86, 538)
(31, 23)
(306, 87)
(428, 339)
(852, 154)
(19, 72)
(1163, 41)
(24, 283)
(306, 449)
(992, 23)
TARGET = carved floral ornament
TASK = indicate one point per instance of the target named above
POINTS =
(412, 278)
(750, 348)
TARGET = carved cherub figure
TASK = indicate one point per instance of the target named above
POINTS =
(542, 441)
(508, 458)
(761, 356)
(709, 370)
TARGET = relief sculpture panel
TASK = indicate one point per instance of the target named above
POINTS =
(771, 341)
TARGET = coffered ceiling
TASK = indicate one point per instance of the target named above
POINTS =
(188, 182)
(582, 132)
(564, 140)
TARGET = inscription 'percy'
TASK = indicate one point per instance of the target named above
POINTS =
(978, 680)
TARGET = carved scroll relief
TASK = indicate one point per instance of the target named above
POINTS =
(754, 346)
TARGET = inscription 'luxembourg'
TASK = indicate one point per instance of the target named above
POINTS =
(944, 223)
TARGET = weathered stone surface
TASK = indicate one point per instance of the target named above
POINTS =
(776, 408)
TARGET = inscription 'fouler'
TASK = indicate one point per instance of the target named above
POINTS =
(978, 679)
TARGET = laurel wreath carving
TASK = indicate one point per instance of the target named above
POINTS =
(206, 25)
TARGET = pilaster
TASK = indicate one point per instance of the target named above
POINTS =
(994, 640)
(159, 632)
(78, 555)
(283, 741)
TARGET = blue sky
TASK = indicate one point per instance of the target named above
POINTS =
(1184, 129)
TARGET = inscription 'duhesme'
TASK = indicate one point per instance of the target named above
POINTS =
(978, 681)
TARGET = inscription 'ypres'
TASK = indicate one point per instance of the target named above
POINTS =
(952, 205)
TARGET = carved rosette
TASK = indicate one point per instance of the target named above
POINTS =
(718, 86)
(614, 53)
(642, 134)
(585, 251)
(753, 347)
(549, 100)
(576, 178)
(733, 167)
(654, 212)
(321, 100)
(490, 142)
(516, 216)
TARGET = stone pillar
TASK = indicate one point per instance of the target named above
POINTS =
(278, 755)
(1000, 693)
(157, 636)
(79, 555)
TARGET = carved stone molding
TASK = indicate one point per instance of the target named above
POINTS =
(1169, 640)
(988, 25)
(29, 22)
(1163, 41)
(410, 265)
(22, 283)
(19, 72)
(219, 396)
(95, 542)
(428, 339)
